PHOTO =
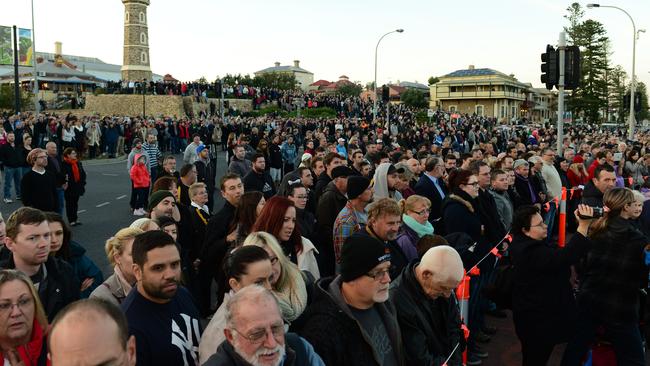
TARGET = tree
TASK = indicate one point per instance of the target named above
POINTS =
(414, 98)
(433, 80)
(276, 80)
(643, 91)
(7, 98)
(617, 77)
(349, 90)
(202, 80)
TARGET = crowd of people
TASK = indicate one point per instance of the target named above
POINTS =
(339, 242)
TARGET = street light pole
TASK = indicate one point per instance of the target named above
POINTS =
(34, 61)
(631, 121)
(374, 104)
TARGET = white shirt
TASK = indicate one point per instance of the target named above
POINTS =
(204, 207)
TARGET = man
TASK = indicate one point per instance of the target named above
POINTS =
(161, 203)
(604, 179)
(384, 221)
(569, 154)
(258, 179)
(553, 186)
(54, 166)
(329, 205)
(28, 239)
(239, 164)
(189, 155)
(450, 162)
(11, 157)
(331, 161)
(499, 190)
(351, 218)
(205, 172)
(357, 159)
(150, 149)
(289, 154)
(431, 186)
(525, 187)
(349, 321)
(535, 175)
(91, 332)
(487, 207)
(39, 185)
(200, 216)
(168, 168)
(160, 313)
(366, 169)
(386, 180)
(427, 309)
(188, 177)
(255, 334)
(275, 157)
(371, 150)
(600, 158)
(414, 167)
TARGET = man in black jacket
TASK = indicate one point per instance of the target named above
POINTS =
(39, 185)
(54, 165)
(427, 309)
(331, 161)
(28, 239)
(258, 179)
(431, 186)
(11, 158)
(604, 179)
(205, 172)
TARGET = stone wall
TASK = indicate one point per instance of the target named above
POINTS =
(131, 105)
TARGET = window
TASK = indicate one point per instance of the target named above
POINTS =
(514, 111)
(142, 17)
(479, 110)
(143, 38)
(503, 111)
(126, 17)
(143, 57)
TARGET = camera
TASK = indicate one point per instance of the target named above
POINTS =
(598, 212)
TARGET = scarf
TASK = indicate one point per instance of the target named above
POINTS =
(420, 229)
(292, 301)
(75, 169)
(126, 286)
(30, 353)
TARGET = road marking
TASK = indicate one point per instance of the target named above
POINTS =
(103, 204)
(81, 211)
(110, 174)
(120, 197)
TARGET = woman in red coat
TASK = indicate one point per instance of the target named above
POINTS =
(141, 181)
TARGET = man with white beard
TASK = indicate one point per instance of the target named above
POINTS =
(255, 334)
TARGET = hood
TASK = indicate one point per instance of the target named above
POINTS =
(379, 181)
(138, 156)
(331, 187)
(455, 199)
(76, 250)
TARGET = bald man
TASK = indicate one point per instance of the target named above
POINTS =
(427, 310)
(91, 332)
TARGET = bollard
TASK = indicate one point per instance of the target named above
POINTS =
(561, 235)
(462, 294)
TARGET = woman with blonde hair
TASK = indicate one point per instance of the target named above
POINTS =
(23, 334)
(415, 216)
(288, 283)
(609, 287)
(118, 250)
(145, 224)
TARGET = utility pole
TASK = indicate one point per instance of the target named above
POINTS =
(560, 97)
(16, 81)
(35, 65)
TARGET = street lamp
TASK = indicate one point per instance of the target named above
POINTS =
(144, 102)
(631, 122)
(374, 104)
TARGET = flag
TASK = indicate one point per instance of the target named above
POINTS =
(6, 51)
(25, 48)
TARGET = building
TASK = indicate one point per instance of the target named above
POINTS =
(415, 86)
(329, 87)
(136, 66)
(484, 92)
(303, 77)
(544, 108)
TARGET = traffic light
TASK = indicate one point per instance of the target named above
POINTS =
(385, 93)
(217, 87)
(626, 101)
(571, 67)
(550, 69)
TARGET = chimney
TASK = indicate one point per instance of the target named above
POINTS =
(296, 63)
(471, 67)
(277, 64)
(58, 52)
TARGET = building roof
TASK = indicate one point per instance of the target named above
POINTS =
(286, 68)
(412, 85)
(49, 71)
(320, 82)
(397, 88)
(475, 72)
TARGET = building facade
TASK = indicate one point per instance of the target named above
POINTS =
(484, 92)
(303, 77)
(136, 64)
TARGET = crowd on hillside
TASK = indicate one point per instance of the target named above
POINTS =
(340, 241)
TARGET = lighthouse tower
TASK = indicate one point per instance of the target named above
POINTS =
(135, 66)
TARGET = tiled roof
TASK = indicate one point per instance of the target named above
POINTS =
(284, 69)
(474, 72)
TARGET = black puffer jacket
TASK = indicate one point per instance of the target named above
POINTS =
(337, 336)
(591, 196)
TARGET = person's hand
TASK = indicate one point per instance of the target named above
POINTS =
(232, 236)
(87, 283)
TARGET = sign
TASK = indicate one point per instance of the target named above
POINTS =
(6, 51)
(430, 113)
(568, 117)
(25, 48)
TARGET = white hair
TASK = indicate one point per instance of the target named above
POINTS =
(444, 262)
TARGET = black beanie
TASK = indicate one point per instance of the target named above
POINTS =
(158, 196)
(360, 254)
(357, 185)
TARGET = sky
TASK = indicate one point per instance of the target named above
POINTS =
(194, 38)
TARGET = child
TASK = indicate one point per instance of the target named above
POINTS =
(141, 181)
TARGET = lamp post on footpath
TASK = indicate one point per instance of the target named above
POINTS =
(631, 121)
(374, 104)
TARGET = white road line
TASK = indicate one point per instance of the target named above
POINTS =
(81, 211)
(120, 197)
(110, 174)
(103, 204)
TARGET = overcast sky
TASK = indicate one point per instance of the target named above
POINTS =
(194, 38)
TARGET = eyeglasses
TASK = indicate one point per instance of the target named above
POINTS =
(425, 211)
(378, 275)
(302, 197)
(475, 184)
(541, 224)
(22, 304)
(259, 336)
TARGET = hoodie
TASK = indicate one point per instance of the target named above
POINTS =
(381, 184)
(130, 161)
(140, 173)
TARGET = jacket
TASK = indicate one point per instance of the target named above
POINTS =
(335, 333)
(431, 326)
(408, 240)
(543, 303)
(83, 267)
(504, 207)
(591, 196)
(398, 259)
(76, 188)
(140, 174)
(331, 203)
(289, 153)
(275, 156)
(205, 174)
(261, 182)
(59, 287)
(425, 187)
(461, 216)
(239, 167)
(11, 156)
(112, 290)
(322, 182)
(55, 166)
(527, 190)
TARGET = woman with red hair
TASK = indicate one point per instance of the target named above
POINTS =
(278, 218)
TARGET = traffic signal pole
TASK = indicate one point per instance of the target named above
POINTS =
(560, 97)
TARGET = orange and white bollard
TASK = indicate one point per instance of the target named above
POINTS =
(561, 235)
(462, 294)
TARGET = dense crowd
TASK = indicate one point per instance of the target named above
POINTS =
(340, 241)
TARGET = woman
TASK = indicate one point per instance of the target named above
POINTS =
(544, 308)
(245, 266)
(63, 247)
(609, 285)
(231, 143)
(288, 283)
(460, 209)
(415, 216)
(249, 209)
(306, 220)
(118, 251)
(94, 138)
(25, 150)
(76, 178)
(278, 218)
(635, 168)
(23, 334)
(145, 224)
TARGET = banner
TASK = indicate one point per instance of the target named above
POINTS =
(6, 51)
(25, 47)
